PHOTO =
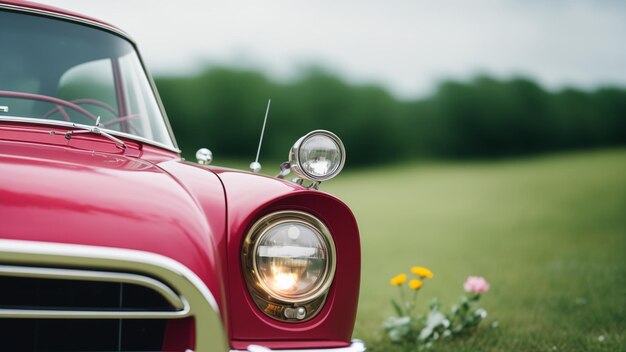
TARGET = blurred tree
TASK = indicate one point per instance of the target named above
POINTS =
(223, 108)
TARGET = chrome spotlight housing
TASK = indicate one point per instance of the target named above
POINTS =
(318, 156)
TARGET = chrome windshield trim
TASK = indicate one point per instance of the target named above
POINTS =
(93, 275)
(68, 17)
(155, 91)
(209, 330)
(38, 121)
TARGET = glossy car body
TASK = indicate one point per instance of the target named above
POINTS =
(141, 215)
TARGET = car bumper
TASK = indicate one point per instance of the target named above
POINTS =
(356, 346)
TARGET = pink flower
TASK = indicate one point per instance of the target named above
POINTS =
(476, 284)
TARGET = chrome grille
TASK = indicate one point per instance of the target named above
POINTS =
(30, 298)
(124, 301)
(81, 335)
(40, 292)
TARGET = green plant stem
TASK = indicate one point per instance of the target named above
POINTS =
(403, 299)
(413, 302)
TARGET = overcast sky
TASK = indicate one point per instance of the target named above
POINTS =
(407, 45)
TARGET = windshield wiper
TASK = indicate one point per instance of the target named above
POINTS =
(96, 130)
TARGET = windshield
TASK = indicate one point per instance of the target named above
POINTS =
(54, 69)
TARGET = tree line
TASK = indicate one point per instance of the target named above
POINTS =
(222, 109)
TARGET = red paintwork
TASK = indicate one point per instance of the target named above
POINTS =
(87, 191)
(52, 135)
(89, 196)
(248, 201)
(179, 335)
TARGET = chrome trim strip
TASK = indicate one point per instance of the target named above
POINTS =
(89, 314)
(99, 276)
(78, 125)
(209, 331)
(69, 18)
(356, 346)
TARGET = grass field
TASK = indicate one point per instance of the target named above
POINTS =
(548, 233)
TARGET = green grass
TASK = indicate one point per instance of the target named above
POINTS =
(548, 233)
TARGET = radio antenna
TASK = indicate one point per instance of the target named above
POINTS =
(255, 166)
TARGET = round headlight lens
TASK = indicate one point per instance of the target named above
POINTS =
(291, 259)
(318, 156)
(293, 256)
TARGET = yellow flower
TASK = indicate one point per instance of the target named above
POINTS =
(422, 272)
(415, 284)
(398, 280)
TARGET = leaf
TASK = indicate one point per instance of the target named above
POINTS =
(397, 308)
(435, 304)
(395, 335)
(395, 322)
(425, 333)
(434, 320)
(397, 328)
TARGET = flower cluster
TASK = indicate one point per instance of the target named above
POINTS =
(476, 284)
(423, 330)
(398, 280)
(419, 271)
(406, 307)
(422, 272)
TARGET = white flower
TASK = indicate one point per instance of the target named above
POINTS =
(481, 313)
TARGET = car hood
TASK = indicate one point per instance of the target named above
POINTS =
(59, 194)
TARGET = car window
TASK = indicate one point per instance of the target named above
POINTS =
(54, 69)
(90, 85)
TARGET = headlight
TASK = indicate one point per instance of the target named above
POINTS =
(291, 258)
(318, 156)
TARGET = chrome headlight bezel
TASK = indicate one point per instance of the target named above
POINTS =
(295, 159)
(268, 300)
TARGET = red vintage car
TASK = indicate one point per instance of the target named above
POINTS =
(110, 241)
